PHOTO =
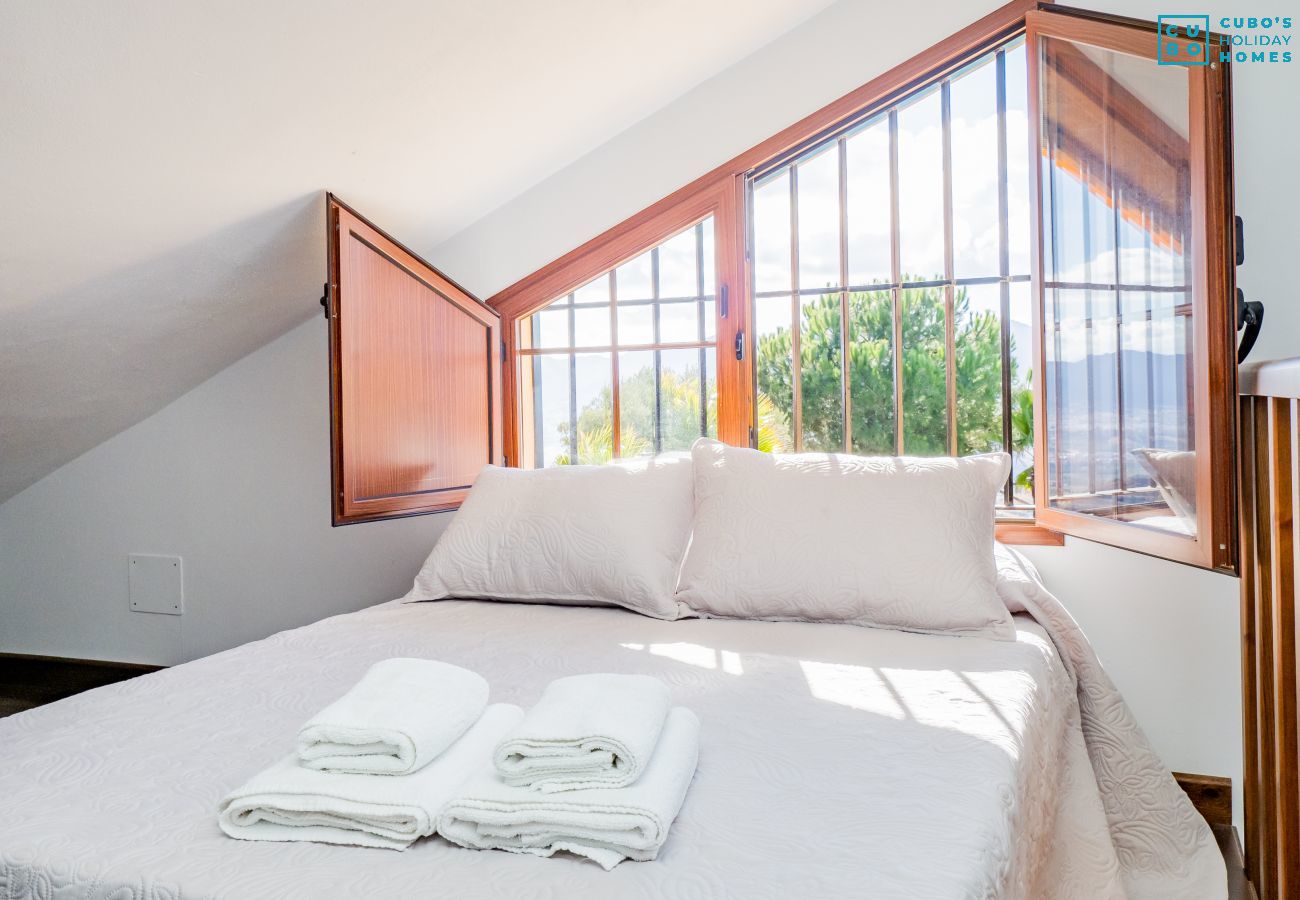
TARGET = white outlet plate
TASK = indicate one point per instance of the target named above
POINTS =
(156, 584)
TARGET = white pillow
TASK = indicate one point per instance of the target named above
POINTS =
(903, 543)
(604, 535)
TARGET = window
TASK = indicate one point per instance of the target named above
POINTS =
(1019, 240)
(904, 236)
(1135, 223)
(624, 365)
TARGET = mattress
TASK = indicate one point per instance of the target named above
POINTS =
(836, 762)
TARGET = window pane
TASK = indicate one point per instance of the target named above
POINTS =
(1018, 232)
(636, 324)
(820, 374)
(1119, 409)
(771, 223)
(773, 374)
(551, 382)
(636, 402)
(550, 328)
(679, 322)
(920, 189)
(867, 164)
(925, 374)
(974, 124)
(633, 279)
(593, 396)
(871, 371)
(977, 318)
(678, 273)
(591, 326)
(709, 321)
(594, 291)
(819, 220)
(683, 399)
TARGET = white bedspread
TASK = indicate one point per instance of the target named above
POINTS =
(836, 762)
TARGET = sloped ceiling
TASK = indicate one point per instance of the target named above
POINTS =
(162, 164)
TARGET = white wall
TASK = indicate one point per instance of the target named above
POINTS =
(235, 478)
(254, 438)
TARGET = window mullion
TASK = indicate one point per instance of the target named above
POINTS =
(845, 382)
(1004, 269)
(796, 354)
(615, 413)
(949, 325)
(895, 253)
(573, 387)
(699, 310)
(658, 357)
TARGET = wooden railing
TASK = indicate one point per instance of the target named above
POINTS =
(1270, 496)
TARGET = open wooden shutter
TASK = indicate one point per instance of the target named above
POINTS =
(415, 378)
(1135, 388)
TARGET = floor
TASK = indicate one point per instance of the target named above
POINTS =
(28, 681)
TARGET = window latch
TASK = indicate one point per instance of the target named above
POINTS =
(325, 298)
(740, 345)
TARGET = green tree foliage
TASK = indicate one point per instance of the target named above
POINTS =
(679, 399)
(871, 376)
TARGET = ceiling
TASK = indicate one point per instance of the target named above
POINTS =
(162, 165)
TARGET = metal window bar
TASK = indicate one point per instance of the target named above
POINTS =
(1004, 269)
(949, 311)
(573, 387)
(1148, 219)
(699, 287)
(615, 410)
(846, 392)
(896, 273)
(796, 326)
(1059, 424)
(658, 361)
(1113, 192)
(1089, 356)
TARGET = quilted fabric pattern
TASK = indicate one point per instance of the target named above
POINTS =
(603, 535)
(837, 762)
(887, 541)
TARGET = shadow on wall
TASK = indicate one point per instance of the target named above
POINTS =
(82, 365)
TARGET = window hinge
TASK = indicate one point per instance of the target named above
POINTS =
(503, 352)
(724, 305)
(753, 442)
(740, 345)
(325, 298)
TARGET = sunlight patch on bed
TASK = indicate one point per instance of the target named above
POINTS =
(694, 655)
(858, 687)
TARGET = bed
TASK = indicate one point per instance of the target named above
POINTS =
(837, 761)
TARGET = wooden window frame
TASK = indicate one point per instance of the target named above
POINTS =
(721, 193)
(1213, 288)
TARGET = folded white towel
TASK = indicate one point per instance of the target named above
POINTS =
(587, 731)
(290, 803)
(607, 825)
(398, 717)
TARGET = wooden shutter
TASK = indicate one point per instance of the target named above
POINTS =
(1135, 375)
(415, 378)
